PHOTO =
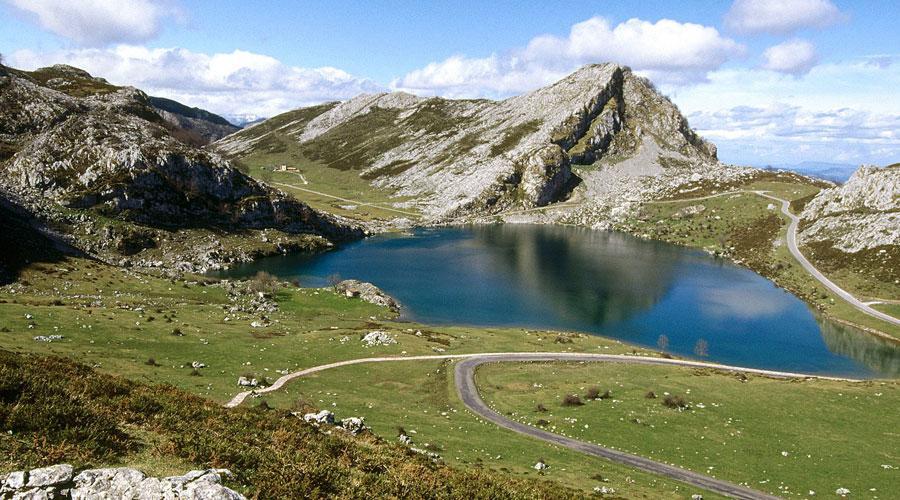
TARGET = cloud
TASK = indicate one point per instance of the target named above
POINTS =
(782, 133)
(236, 84)
(667, 51)
(780, 17)
(794, 57)
(100, 22)
(846, 112)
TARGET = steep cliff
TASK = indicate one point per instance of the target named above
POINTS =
(598, 135)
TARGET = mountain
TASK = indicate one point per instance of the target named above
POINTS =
(601, 137)
(100, 164)
(206, 126)
(834, 172)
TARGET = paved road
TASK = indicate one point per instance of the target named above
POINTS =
(795, 251)
(792, 246)
(468, 393)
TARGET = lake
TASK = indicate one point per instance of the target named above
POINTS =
(600, 282)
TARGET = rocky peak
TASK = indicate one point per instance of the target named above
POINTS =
(476, 156)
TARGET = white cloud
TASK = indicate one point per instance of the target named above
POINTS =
(846, 112)
(795, 57)
(100, 22)
(780, 17)
(667, 51)
(234, 84)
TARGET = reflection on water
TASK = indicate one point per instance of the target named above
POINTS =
(587, 276)
(601, 282)
(878, 354)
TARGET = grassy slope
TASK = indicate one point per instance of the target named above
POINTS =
(836, 434)
(52, 410)
(420, 398)
(743, 227)
(104, 314)
(330, 165)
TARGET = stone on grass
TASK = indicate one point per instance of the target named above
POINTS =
(323, 417)
(540, 465)
(378, 337)
(247, 382)
(354, 425)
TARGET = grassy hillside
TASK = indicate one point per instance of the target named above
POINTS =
(55, 410)
(787, 437)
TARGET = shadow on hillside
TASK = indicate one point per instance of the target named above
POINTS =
(21, 244)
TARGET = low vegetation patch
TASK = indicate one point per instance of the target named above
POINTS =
(54, 410)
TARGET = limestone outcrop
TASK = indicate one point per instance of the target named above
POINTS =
(862, 214)
(61, 482)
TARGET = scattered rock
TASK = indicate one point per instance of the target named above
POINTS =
(197, 365)
(48, 338)
(378, 337)
(604, 490)
(247, 382)
(842, 492)
(540, 465)
(353, 425)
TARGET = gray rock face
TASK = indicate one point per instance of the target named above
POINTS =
(57, 482)
(50, 476)
(467, 158)
(367, 292)
(108, 153)
(864, 213)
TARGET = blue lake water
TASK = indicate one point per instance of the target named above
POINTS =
(600, 282)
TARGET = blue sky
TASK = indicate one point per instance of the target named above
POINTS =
(770, 81)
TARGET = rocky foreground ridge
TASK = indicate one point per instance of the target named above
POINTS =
(602, 137)
(100, 167)
(862, 214)
(61, 482)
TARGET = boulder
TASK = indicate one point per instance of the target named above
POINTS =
(378, 337)
(354, 425)
(50, 476)
(323, 417)
(247, 382)
(367, 292)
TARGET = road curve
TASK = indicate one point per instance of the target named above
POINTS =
(468, 393)
(795, 251)
(804, 262)
(279, 383)
(464, 378)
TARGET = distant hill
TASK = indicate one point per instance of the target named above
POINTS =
(834, 172)
(206, 125)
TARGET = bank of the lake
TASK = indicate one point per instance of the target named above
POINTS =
(568, 278)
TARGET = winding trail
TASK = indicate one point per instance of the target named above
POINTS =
(863, 307)
(464, 378)
(347, 200)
